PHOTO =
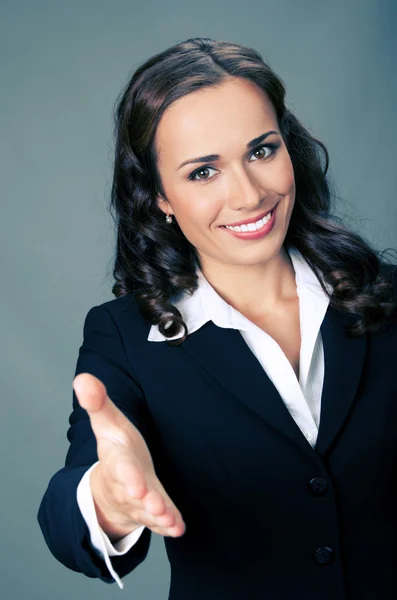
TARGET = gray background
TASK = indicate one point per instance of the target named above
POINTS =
(62, 66)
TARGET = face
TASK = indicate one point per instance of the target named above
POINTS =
(246, 178)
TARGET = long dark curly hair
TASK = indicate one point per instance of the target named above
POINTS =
(154, 260)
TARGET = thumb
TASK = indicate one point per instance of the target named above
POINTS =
(104, 415)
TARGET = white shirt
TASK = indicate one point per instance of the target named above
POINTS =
(302, 397)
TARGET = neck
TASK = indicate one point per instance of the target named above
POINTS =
(254, 289)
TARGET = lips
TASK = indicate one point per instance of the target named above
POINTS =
(253, 220)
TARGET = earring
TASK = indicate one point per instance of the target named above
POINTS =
(168, 218)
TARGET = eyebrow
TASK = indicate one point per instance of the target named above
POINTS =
(215, 157)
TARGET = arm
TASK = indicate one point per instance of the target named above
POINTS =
(63, 526)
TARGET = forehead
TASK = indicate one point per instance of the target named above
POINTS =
(205, 120)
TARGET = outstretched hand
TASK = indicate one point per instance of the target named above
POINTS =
(125, 487)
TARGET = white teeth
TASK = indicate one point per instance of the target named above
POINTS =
(251, 226)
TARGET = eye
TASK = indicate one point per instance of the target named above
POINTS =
(192, 176)
(272, 147)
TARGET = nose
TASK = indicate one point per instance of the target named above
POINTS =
(245, 191)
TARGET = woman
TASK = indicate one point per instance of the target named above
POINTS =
(273, 315)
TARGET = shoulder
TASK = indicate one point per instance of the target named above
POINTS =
(121, 313)
(122, 305)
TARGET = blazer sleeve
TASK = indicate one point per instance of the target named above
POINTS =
(64, 529)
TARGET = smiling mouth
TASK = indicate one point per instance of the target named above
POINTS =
(252, 225)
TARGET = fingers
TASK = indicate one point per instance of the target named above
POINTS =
(148, 494)
(159, 516)
(140, 498)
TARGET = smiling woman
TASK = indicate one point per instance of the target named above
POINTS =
(245, 181)
(260, 438)
(218, 105)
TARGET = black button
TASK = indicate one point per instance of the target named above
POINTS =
(324, 555)
(318, 485)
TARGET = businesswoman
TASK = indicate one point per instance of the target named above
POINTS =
(239, 395)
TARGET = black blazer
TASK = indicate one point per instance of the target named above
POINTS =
(267, 516)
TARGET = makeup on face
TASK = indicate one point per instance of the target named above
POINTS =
(225, 167)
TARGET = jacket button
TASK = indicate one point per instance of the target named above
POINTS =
(324, 555)
(318, 485)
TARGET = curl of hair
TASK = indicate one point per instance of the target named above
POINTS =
(154, 260)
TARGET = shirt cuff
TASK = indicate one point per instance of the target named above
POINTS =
(99, 539)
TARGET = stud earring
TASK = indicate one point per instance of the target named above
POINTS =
(168, 218)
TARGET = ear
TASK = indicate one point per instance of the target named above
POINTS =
(164, 205)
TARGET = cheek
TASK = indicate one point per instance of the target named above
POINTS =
(201, 207)
(195, 211)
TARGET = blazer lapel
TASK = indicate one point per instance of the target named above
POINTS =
(225, 355)
(344, 360)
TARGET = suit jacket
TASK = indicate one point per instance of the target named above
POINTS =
(267, 516)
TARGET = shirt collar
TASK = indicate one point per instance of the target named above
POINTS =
(205, 304)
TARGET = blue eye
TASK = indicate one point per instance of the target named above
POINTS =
(272, 147)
